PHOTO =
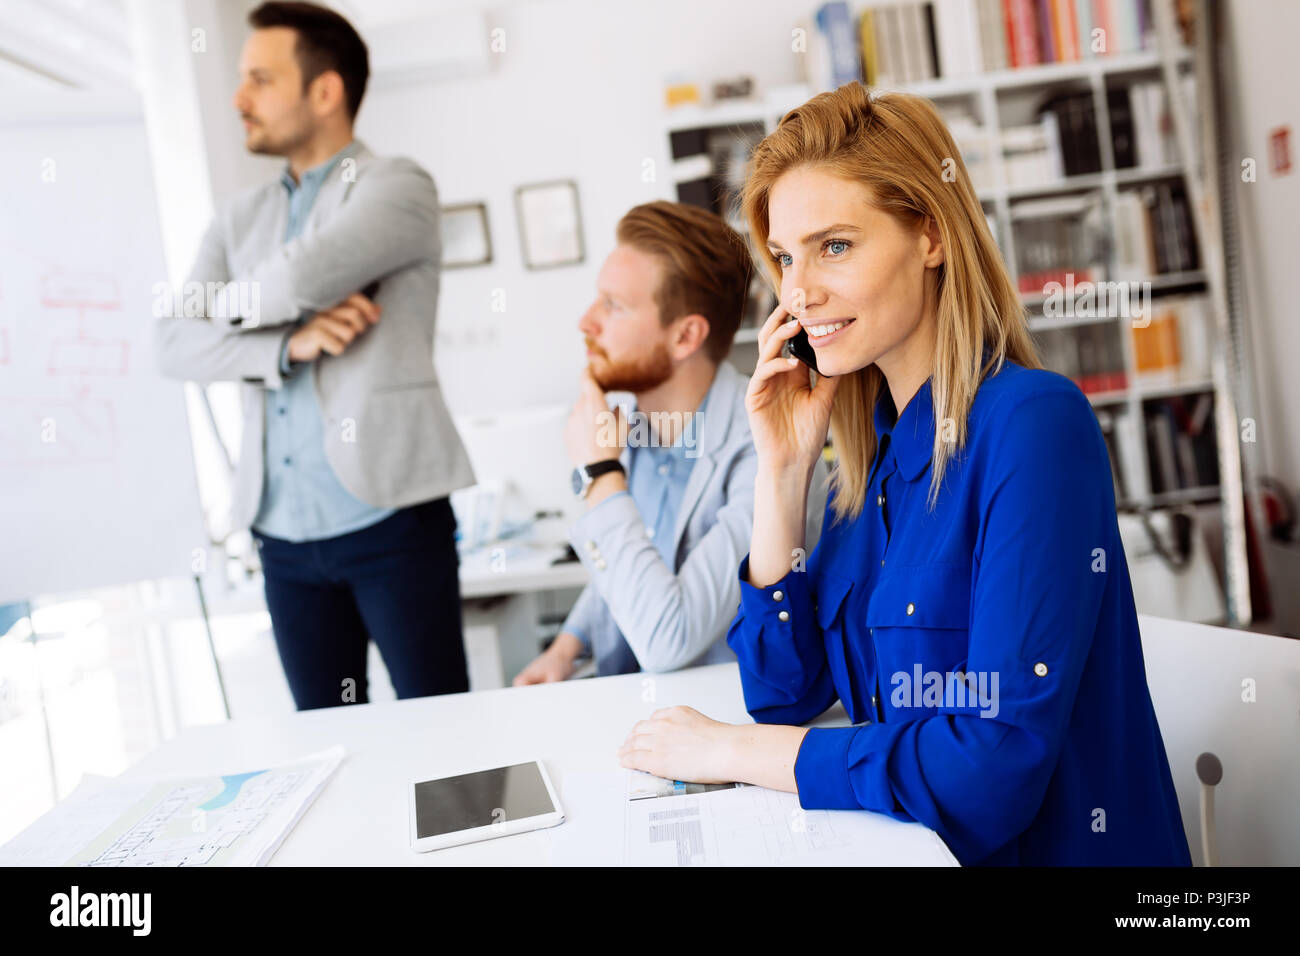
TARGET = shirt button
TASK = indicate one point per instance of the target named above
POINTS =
(600, 564)
(283, 410)
(880, 500)
(873, 700)
(911, 608)
(591, 546)
(777, 595)
(288, 461)
(784, 616)
(664, 468)
(1040, 669)
(649, 531)
(882, 562)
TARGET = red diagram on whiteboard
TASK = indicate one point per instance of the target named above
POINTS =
(58, 431)
(80, 427)
(83, 354)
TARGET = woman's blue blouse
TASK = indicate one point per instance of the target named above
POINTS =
(987, 651)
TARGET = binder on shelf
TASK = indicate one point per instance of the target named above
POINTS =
(1173, 346)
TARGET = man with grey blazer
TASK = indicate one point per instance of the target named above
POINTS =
(669, 486)
(321, 290)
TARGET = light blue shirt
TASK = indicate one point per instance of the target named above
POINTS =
(302, 498)
(657, 477)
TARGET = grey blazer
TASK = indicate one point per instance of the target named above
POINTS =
(668, 618)
(388, 434)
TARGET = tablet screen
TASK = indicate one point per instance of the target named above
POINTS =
(480, 799)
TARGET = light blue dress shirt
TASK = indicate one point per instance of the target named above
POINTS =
(988, 650)
(657, 477)
(302, 498)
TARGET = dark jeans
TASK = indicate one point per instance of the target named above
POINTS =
(395, 582)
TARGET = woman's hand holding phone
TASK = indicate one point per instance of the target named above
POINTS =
(788, 419)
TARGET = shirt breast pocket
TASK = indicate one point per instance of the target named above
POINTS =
(831, 603)
(918, 619)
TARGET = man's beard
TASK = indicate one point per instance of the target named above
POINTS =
(269, 145)
(639, 374)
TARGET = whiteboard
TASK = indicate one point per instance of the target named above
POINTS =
(97, 482)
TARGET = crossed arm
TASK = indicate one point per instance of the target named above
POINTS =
(389, 222)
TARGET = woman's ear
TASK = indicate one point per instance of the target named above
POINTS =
(932, 252)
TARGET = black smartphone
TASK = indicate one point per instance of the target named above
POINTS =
(802, 349)
(370, 290)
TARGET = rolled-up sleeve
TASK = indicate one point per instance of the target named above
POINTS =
(776, 639)
(1048, 523)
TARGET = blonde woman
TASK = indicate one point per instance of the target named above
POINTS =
(969, 600)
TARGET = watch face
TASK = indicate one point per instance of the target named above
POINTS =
(576, 480)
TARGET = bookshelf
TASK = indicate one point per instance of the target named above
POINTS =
(1166, 374)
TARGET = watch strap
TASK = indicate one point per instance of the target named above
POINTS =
(598, 468)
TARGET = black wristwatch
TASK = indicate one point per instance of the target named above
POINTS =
(586, 474)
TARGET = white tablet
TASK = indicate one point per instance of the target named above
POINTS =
(482, 805)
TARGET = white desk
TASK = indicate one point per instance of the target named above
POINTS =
(360, 818)
(517, 569)
(501, 586)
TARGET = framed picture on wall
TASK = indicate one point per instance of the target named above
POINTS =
(550, 224)
(466, 240)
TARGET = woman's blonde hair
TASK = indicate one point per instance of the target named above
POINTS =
(897, 146)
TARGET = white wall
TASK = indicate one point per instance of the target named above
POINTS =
(1261, 34)
(577, 95)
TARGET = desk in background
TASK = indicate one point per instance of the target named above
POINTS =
(511, 596)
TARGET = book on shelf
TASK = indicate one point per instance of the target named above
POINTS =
(1031, 154)
(709, 165)
(1174, 345)
(834, 48)
(1091, 355)
(1169, 219)
(1142, 123)
(1182, 450)
(1058, 240)
(1153, 232)
(973, 142)
(1123, 446)
(1135, 252)
(917, 40)
(1076, 123)
(957, 23)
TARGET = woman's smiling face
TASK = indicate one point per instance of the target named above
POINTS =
(852, 274)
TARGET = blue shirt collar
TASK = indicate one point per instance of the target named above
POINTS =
(316, 175)
(912, 435)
